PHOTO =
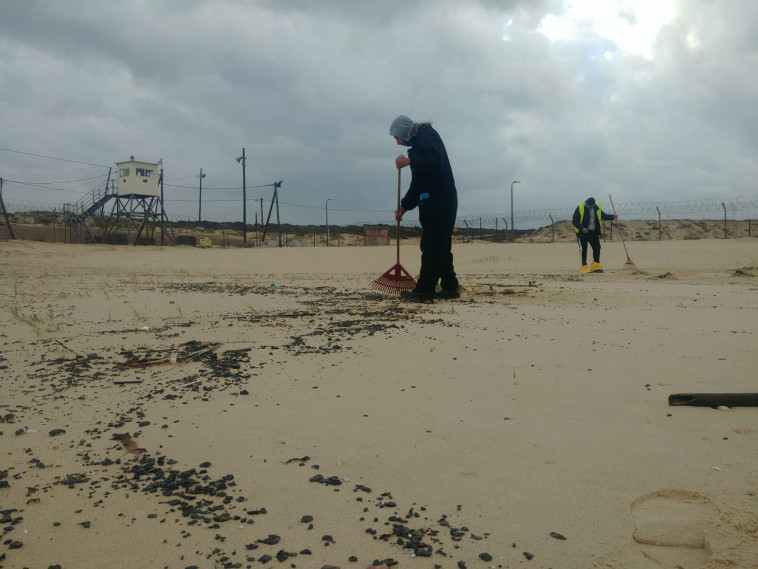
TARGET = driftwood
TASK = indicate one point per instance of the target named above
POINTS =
(179, 359)
(714, 399)
(504, 285)
(295, 459)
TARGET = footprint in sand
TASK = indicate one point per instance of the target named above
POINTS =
(669, 532)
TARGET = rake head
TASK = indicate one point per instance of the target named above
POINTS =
(395, 280)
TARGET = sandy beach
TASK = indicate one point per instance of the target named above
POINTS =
(181, 407)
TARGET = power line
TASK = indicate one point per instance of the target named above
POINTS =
(217, 188)
(211, 200)
(336, 209)
(182, 178)
(53, 158)
(62, 182)
(222, 188)
(45, 186)
(45, 189)
(205, 187)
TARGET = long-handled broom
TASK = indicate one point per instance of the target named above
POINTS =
(628, 260)
(396, 278)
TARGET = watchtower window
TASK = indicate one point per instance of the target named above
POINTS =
(123, 172)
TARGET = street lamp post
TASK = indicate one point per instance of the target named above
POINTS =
(241, 160)
(200, 198)
(326, 207)
(513, 235)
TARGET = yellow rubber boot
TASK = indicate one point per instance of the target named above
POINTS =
(596, 268)
(584, 269)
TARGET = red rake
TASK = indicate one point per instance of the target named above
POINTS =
(396, 279)
(628, 260)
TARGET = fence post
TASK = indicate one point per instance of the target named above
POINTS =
(659, 222)
(726, 235)
(552, 226)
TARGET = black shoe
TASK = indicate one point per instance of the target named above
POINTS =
(447, 294)
(416, 296)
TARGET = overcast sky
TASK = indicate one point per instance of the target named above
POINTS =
(643, 100)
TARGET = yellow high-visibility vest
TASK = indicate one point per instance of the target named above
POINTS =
(581, 215)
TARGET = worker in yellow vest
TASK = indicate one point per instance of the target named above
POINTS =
(587, 220)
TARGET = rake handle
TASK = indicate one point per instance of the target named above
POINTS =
(620, 232)
(397, 231)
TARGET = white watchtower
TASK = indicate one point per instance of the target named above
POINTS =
(137, 178)
(137, 196)
(138, 204)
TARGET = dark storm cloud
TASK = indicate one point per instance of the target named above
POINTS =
(309, 89)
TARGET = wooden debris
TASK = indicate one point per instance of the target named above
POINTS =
(180, 359)
(302, 459)
(714, 399)
(129, 443)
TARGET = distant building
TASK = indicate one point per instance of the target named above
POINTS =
(137, 178)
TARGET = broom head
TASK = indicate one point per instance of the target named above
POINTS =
(395, 280)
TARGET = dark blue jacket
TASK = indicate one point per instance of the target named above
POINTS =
(432, 184)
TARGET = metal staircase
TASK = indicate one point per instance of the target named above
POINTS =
(80, 215)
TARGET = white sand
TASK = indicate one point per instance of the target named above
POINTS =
(511, 413)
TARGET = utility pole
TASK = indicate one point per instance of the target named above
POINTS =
(200, 198)
(274, 200)
(241, 160)
(5, 213)
(278, 226)
(163, 209)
